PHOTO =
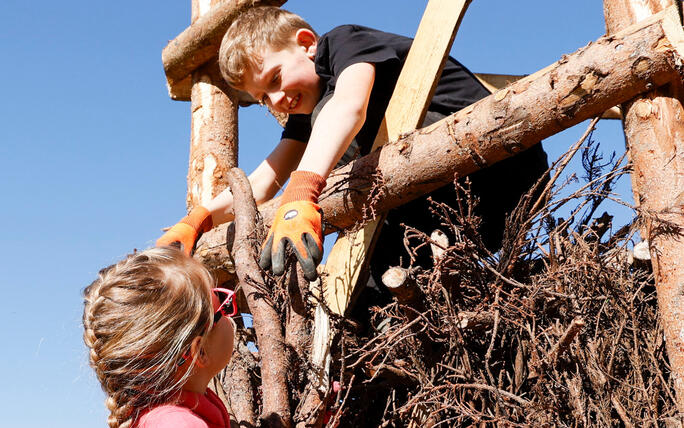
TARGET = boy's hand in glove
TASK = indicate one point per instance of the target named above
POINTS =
(187, 231)
(297, 223)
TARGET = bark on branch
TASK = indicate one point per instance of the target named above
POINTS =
(270, 340)
(579, 86)
(654, 129)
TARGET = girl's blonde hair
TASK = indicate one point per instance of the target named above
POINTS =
(140, 316)
(253, 31)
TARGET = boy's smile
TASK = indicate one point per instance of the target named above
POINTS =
(287, 80)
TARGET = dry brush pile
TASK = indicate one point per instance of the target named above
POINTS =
(559, 328)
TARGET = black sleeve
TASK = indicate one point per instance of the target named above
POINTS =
(298, 127)
(351, 44)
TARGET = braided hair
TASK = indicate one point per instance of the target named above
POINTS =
(141, 314)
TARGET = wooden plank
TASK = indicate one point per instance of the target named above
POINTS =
(405, 112)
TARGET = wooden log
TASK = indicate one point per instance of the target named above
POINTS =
(495, 82)
(213, 133)
(401, 284)
(654, 129)
(200, 42)
(213, 136)
(476, 321)
(270, 340)
(580, 86)
(239, 386)
(213, 150)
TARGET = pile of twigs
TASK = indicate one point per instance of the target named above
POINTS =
(558, 328)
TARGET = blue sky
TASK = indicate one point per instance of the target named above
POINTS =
(93, 156)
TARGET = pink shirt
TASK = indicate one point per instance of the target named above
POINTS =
(193, 410)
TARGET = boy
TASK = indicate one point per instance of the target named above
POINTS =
(335, 89)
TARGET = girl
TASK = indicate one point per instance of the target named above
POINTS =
(157, 334)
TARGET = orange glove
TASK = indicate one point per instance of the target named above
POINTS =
(187, 231)
(297, 223)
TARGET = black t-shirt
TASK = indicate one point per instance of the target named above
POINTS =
(351, 44)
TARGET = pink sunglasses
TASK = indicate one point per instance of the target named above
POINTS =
(228, 306)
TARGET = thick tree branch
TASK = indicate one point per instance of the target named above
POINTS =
(270, 340)
(654, 129)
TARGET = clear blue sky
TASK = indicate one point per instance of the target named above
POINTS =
(93, 156)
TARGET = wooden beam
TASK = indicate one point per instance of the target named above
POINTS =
(654, 129)
(496, 82)
(581, 86)
(200, 42)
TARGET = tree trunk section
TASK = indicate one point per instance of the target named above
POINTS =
(213, 136)
(270, 340)
(654, 130)
(580, 86)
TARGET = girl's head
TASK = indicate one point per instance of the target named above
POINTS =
(142, 316)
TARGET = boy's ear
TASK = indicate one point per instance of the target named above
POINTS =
(306, 39)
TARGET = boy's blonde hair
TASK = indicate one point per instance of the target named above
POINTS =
(253, 31)
(140, 317)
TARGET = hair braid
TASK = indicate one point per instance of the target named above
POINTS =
(139, 316)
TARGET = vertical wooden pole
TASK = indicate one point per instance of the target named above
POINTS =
(213, 139)
(214, 128)
(654, 130)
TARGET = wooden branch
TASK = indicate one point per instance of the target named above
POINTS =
(200, 42)
(476, 321)
(439, 244)
(495, 82)
(297, 335)
(271, 344)
(401, 284)
(239, 386)
(654, 129)
(569, 335)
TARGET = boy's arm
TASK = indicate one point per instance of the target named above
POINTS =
(298, 220)
(266, 180)
(339, 120)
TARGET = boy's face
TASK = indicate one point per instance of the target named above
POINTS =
(287, 80)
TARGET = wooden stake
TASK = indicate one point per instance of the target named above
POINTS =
(654, 129)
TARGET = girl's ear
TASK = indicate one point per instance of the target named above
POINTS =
(196, 349)
(306, 39)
